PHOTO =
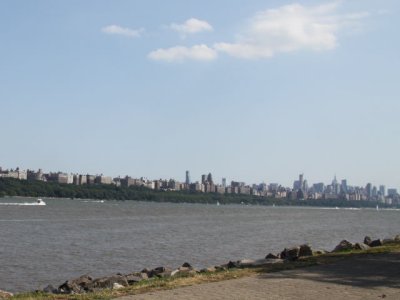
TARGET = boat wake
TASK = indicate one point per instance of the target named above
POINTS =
(39, 202)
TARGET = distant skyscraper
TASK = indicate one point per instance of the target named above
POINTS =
(203, 179)
(343, 186)
(224, 182)
(368, 190)
(382, 190)
(209, 178)
(301, 181)
(187, 181)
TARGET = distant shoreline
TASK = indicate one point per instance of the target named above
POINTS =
(36, 189)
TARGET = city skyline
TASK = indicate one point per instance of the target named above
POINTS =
(301, 184)
(257, 92)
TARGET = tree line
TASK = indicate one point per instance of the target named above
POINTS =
(30, 188)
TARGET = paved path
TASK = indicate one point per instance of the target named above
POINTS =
(369, 277)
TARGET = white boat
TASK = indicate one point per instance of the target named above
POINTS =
(40, 202)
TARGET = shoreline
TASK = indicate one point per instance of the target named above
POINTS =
(149, 279)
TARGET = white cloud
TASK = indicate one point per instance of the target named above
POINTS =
(118, 30)
(290, 28)
(181, 53)
(191, 26)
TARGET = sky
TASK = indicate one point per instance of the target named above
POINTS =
(254, 91)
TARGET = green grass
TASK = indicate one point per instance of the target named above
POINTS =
(156, 284)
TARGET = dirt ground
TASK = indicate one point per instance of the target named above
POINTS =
(366, 277)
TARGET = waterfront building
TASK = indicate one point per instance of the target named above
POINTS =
(90, 179)
(103, 179)
(16, 174)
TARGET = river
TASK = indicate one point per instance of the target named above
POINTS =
(42, 245)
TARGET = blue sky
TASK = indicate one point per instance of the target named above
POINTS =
(249, 90)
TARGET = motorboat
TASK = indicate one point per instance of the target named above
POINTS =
(40, 202)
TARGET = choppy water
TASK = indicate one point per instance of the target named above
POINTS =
(67, 238)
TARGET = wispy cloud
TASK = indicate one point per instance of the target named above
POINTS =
(181, 53)
(118, 30)
(191, 26)
(290, 28)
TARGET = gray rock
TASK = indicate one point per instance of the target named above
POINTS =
(221, 268)
(344, 245)
(271, 256)
(397, 238)
(361, 246)
(187, 265)
(305, 250)
(51, 289)
(367, 240)
(76, 286)
(134, 278)
(376, 243)
(160, 272)
(290, 254)
(232, 264)
(107, 282)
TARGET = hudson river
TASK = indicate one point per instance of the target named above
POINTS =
(42, 245)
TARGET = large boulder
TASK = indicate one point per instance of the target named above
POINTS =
(305, 250)
(159, 272)
(344, 245)
(361, 246)
(290, 254)
(367, 240)
(376, 243)
(397, 238)
(76, 286)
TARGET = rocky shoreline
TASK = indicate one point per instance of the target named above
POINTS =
(87, 284)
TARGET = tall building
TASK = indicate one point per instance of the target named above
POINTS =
(187, 181)
(203, 179)
(301, 181)
(209, 178)
(343, 186)
(382, 190)
(224, 182)
(368, 190)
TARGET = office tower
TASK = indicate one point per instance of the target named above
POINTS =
(203, 179)
(224, 182)
(187, 181)
(382, 190)
(209, 178)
